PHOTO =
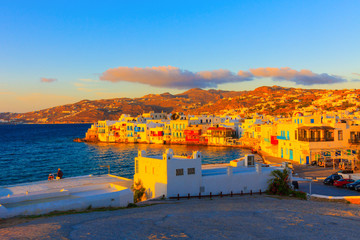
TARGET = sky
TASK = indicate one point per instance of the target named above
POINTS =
(60, 52)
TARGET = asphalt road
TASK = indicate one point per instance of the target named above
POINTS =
(241, 217)
(328, 190)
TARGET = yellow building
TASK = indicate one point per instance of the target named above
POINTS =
(177, 130)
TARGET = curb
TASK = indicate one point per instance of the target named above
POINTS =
(351, 199)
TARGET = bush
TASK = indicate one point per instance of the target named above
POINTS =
(139, 191)
(279, 185)
(300, 194)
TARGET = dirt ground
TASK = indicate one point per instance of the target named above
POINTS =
(241, 217)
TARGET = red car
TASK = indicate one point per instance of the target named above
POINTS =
(343, 182)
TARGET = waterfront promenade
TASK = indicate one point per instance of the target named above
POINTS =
(241, 217)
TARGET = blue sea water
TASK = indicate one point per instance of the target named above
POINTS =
(30, 152)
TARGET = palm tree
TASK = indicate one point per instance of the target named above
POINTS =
(279, 184)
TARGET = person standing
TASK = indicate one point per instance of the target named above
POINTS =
(59, 174)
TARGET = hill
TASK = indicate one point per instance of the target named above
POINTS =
(273, 100)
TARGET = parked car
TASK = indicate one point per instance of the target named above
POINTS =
(343, 182)
(353, 185)
(330, 179)
(357, 188)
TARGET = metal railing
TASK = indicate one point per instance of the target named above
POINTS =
(354, 141)
(316, 139)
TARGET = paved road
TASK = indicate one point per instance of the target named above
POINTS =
(304, 171)
(322, 189)
(242, 217)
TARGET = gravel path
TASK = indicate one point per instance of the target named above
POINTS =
(242, 217)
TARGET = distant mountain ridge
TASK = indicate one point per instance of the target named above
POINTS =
(274, 100)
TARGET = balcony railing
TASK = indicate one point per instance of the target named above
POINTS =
(281, 138)
(354, 141)
(316, 139)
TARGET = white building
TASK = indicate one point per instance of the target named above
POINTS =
(74, 193)
(169, 175)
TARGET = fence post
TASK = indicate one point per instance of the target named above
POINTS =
(260, 191)
(231, 193)
(178, 196)
(210, 195)
(188, 195)
(199, 195)
(220, 194)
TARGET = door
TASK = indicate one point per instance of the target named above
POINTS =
(291, 155)
(307, 160)
(282, 153)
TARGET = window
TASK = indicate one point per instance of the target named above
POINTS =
(191, 171)
(137, 166)
(340, 135)
(295, 135)
(179, 172)
(312, 121)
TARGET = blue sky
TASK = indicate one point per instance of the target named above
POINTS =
(81, 48)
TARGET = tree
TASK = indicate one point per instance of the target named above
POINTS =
(278, 184)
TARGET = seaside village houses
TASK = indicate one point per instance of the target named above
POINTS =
(304, 137)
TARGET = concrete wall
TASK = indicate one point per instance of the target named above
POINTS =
(236, 182)
(184, 184)
(111, 199)
(79, 201)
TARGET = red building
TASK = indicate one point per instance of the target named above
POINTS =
(193, 135)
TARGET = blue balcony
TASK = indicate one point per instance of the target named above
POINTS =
(137, 129)
(281, 138)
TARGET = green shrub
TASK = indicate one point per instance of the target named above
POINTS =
(139, 191)
(300, 194)
(278, 184)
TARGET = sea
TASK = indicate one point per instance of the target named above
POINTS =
(30, 152)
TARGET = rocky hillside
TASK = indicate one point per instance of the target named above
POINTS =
(273, 100)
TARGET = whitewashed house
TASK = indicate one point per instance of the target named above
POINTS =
(171, 176)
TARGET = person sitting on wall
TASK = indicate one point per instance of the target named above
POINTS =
(51, 177)
(59, 174)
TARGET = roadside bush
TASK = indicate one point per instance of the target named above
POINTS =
(300, 194)
(139, 191)
(279, 185)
